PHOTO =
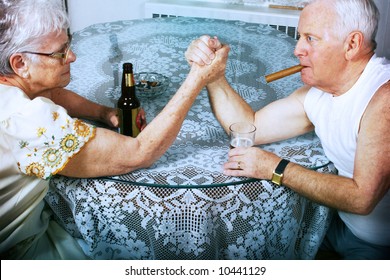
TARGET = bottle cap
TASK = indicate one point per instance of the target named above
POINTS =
(127, 67)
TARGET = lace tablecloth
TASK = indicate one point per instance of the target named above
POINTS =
(183, 207)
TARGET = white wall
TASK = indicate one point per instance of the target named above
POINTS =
(383, 36)
(86, 12)
(83, 13)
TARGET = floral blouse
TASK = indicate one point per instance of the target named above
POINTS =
(37, 139)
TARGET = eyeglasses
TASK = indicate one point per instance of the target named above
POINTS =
(59, 55)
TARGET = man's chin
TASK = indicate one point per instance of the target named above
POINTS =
(307, 80)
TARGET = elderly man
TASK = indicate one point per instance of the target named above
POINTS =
(40, 135)
(346, 100)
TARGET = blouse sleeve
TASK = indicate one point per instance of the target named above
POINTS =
(43, 137)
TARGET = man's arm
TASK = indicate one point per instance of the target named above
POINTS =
(360, 194)
(281, 119)
(371, 178)
(229, 107)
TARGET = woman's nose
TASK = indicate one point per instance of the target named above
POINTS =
(71, 57)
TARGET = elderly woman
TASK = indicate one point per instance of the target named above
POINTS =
(41, 135)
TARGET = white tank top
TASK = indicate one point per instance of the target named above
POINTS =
(336, 121)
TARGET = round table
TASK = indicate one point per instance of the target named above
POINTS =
(183, 207)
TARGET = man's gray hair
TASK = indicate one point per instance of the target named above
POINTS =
(355, 15)
(24, 22)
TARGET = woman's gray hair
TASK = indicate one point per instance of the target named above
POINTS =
(24, 22)
(356, 15)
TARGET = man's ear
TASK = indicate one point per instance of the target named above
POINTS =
(19, 65)
(353, 44)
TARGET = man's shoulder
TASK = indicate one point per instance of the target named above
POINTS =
(384, 91)
(381, 98)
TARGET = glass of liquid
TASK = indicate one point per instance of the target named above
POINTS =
(242, 134)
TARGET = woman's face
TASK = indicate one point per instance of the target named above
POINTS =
(50, 72)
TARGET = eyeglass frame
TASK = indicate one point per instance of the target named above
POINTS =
(59, 55)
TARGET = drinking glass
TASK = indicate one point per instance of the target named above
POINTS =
(242, 134)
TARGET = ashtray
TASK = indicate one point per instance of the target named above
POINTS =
(150, 84)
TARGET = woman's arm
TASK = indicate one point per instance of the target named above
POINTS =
(80, 107)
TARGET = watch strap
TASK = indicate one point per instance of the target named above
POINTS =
(281, 166)
(277, 176)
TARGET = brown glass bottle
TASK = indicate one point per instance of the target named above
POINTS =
(128, 104)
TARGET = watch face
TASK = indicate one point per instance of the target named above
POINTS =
(277, 178)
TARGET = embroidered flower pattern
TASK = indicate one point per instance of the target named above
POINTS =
(23, 144)
(69, 143)
(41, 131)
(52, 157)
(62, 141)
(55, 116)
(35, 169)
(81, 128)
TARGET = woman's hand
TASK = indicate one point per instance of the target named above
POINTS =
(112, 118)
(141, 119)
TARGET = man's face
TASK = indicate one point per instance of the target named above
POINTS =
(319, 49)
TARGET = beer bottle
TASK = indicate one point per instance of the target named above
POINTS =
(128, 104)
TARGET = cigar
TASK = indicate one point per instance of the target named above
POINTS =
(283, 73)
(285, 7)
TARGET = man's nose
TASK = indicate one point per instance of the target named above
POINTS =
(299, 48)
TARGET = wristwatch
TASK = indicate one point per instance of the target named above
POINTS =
(277, 176)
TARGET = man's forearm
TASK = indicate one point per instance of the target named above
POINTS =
(332, 190)
(227, 105)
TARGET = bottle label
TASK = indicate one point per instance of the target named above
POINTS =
(128, 122)
(129, 80)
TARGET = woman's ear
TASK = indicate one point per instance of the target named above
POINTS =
(353, 44)
(19, 65)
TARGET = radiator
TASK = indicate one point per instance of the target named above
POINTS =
(281, 19)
